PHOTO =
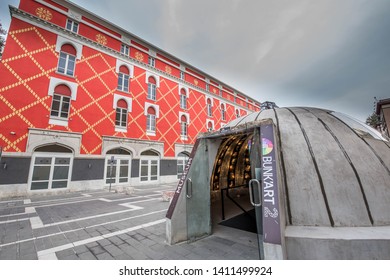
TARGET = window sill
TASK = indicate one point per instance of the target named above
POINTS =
(120, 129)
(58, 121)
(66, 75)
(122, 91)
(151, 133)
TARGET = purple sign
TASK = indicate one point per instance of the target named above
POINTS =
(271, 212)
(182, 181)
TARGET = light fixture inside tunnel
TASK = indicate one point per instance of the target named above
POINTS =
(232, 165)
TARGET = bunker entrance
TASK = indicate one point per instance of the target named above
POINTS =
(220, 191)
(231, 179)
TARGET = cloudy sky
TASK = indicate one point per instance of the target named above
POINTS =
(332, 54)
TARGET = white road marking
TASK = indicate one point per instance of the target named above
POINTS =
(91, 226)
(48, 253)
(132, 208)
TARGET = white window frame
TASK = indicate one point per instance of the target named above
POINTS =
(184, 131)
(223, 111)
(117, 162)
(129, 102)
(60, 109)
(123, 82)
(53, 157)
(212, 125)
(209, 107)
(67, 69)
(125, 49)
(122, 112)
(148, 177)
(58, 119)
(151, 61)
(152, 88)
(183, 101)
(72, 25)
(209, 110)
(184, 136)
(151, 125)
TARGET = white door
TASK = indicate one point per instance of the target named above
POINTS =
(118, 170)
(149, 169)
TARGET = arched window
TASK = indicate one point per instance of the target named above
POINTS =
(151, 120)
(60, 105)
(152, 88)
(183, 127)
(67, 60)
(209, 108)
(123, 79)
(238, 113)
(223, 112)
(210, 126)
(183, 99)
(121, 114)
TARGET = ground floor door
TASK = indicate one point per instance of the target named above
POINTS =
(149, 169)
(118, 169)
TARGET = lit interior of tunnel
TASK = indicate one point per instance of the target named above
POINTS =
(230, 200)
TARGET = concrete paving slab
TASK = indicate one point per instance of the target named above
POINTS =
(101, 225)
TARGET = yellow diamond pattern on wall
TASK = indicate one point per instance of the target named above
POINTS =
(89, 110)
(92, 113)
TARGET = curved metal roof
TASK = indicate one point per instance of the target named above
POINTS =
(335, 170)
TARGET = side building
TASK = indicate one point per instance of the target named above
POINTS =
(85, 104)
(382, 109)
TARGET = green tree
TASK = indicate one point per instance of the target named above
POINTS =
(373, 120)
(2, 39)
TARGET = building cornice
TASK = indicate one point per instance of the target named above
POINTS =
(127, 36)
(32, 19)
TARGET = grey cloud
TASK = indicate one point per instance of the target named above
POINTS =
(325, 53)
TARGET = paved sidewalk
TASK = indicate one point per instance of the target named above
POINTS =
(106, 225)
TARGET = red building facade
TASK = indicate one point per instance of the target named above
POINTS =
(84, 103)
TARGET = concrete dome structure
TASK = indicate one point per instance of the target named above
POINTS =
(336, 184)
(336, 169)
(333, 188)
